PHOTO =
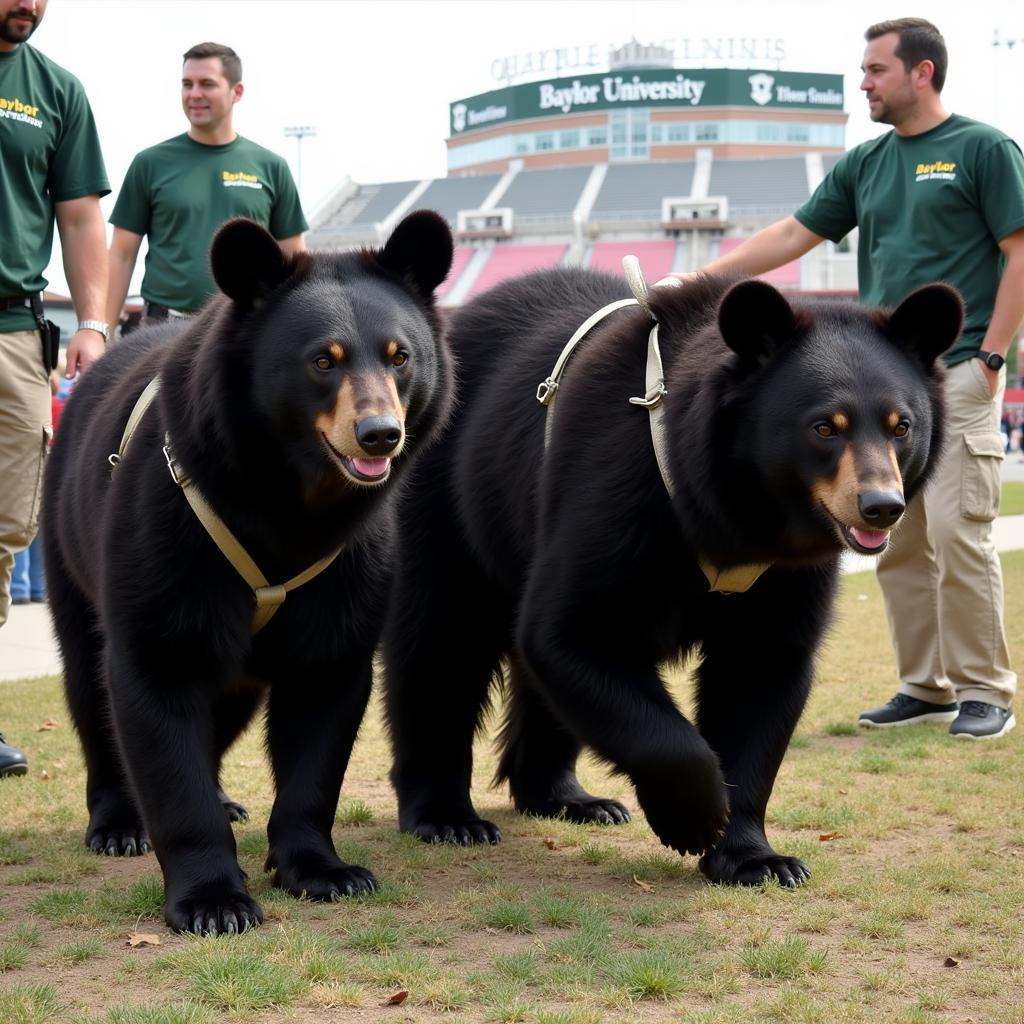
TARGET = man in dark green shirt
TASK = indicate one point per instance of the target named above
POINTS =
(52, 170)
(180, 191)
(941, 197)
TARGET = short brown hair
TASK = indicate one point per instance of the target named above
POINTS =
(919, 40)
(229, 60)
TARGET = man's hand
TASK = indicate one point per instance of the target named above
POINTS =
(85, 347)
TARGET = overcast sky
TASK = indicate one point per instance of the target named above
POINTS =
(375, 77)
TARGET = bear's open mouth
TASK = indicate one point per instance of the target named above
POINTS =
(360, 470)
(865, 542)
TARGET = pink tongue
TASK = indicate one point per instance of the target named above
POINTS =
(371, 467)
(868, 538)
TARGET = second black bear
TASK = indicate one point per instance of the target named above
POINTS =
(290, 407)
(794, 430)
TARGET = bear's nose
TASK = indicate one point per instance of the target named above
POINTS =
(379, 435)
(881, 508)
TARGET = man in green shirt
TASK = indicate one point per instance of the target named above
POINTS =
(52, 170)
(179, 192)
(941, 197)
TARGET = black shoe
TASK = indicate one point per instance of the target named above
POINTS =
(979, 720)
(904, 710)
(12, 762)
(19, 600)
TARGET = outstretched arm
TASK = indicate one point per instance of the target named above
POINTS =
(771, 247)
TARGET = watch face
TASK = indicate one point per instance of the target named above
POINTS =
(995, 361)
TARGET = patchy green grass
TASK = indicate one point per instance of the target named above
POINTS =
(915, 842)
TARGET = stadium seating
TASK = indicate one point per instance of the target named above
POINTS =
(510, 260)
(656, 258)
(463, 253)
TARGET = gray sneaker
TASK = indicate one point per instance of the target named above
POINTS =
(904, 710)
(12, 762)
(979, 720)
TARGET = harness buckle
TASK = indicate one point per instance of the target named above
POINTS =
(178, 475)
(653, 397)
(546, 391)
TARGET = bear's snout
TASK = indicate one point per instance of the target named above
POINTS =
(379, 435)
(881, 509)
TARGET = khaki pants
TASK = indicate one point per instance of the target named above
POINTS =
(941, 577)
(25, 431)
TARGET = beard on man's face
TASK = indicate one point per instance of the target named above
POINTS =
(17, 26)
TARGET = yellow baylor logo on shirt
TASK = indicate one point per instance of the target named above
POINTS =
(16, 110)
(941, 170)
(239, 179)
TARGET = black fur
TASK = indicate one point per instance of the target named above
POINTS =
(577, 567)
(162, 670)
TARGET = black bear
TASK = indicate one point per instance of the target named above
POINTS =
(285, 414)
(792, 431)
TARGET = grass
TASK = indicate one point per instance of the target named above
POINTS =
(1012, 500)
(915, 842)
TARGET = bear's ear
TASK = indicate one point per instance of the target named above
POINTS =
(929, 320)
(420, 250)
(755, 320)
(247, 262)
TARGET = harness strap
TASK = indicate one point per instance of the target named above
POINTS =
(269, 597)
(144, 401)
(547, 390)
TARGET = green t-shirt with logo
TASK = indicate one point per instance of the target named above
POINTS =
(49, 153)
(179, 192)
(930, 207)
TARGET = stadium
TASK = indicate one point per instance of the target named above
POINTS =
(676, 165)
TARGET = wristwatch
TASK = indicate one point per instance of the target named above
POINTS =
(993, 360)
(95, 325)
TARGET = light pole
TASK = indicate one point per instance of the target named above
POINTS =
(299, 132)
(1001, 43)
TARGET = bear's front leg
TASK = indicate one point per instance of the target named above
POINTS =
(165, 729)
(311, 728)
(600, 678)
(751, 695)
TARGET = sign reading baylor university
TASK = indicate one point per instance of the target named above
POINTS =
(657, 87)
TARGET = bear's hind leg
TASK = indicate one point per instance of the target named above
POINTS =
(539, 761)
(115, 826)
(232, 713)
(446, 633)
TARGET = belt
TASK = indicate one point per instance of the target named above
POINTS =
(154, 311)
(16, 302)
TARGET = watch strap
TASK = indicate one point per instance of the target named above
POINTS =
(95, 325)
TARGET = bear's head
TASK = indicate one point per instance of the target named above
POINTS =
(835, 409)
(336, 358)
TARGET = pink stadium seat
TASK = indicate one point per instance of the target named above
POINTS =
(510, 260)
(785, 277)
(655, 257)
(459, 261)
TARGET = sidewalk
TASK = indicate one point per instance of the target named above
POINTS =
(27, 647)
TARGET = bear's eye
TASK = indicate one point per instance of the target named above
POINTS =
(902, 429)
(400, 358)
(323, 361)
(825, 429)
